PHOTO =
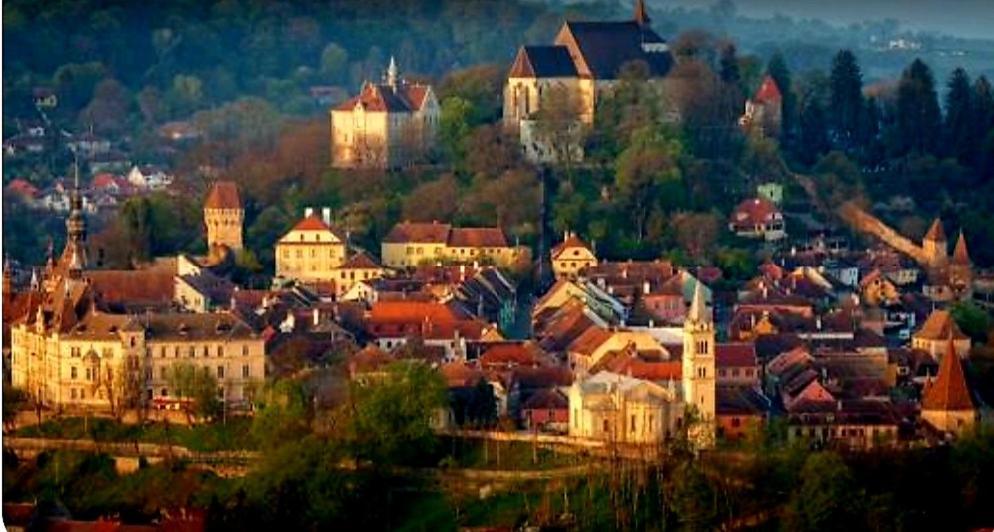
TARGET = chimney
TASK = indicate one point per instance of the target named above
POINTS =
(326, 215)
(308, 212)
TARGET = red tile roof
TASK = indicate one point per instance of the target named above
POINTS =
(434, 233)
(22, 187)
(477, 237)
(311, 223)
(223, 195)
(754, 211)
(383, 98)
(735, 355)
(509, 354)
(133, 286)
(768, 91)
(361, 261)
(546, 400)
(960, 254)
(939, 326)
(949, 391)
(572, 241)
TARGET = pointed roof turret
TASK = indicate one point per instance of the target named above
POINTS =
(949, 391)
(392, 73)
(960, 253)
(936, 233)
(699, 312)
(641, 16)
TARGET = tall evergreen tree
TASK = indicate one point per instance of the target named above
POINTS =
(918, 118)
(777, 69)
(845, 100)
(729, 65)
(814, 133)
(983, 112)
(960, 140)
(870, 138)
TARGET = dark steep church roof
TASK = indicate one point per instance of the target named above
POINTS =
(543, 62)
(606, 46)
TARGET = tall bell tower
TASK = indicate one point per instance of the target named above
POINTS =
(699, 370)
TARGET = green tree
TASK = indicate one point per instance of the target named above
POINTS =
(283, 414)
(845, 99)
(777, 69)
(827, 497)
(972, 320)
(334, 63)
(642, 172)
(197, 384)
(983, 103)
(186, 94)
(960, 140)
(918, 118)
(454, 128)
(391, 419)
(136, 218)
(814, 134)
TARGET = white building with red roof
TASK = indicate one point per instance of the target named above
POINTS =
(312, 250)
(758, 218)
(386, 125)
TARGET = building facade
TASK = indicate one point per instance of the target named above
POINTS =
(411, 244)
(387, 125)
(223, 216)
(312, 250)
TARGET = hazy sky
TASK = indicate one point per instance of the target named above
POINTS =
(965, 18)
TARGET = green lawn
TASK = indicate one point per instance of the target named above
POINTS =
(233, 435)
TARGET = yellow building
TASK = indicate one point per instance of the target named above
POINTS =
(571, 256)
(360, 267)
(312, 250)
(223, 216)
(386, 126)
(410, 244)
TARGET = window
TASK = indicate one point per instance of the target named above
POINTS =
(206, 353)
(735, 422)
(73, 393)
(162, 351)
(245, 350)
(191, 351)
(245, 371)
(72, 373)
(632, 427)
(220, 372)
(605, 426)
(650, 422)
(162, 373)
(220, 351)
(176, 352)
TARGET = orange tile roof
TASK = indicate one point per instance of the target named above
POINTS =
(361, 261)
(754, 211)
(740, 354)
(133, 286)
(572, 242)
(590, 340)
(939, 326)
(936, 233)
(223, 195)
(434, 232)
(949, 391)
(477, 237)
(511, 354)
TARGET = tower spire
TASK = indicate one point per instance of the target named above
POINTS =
(392, 73)
(698, 305)
(641, 16)
(75, 252)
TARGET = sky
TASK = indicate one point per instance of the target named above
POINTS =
(963, 18)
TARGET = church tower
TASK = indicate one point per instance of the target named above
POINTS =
(935, 246)
(223, 215)
(698, 376)
(74, 254)
(961, 269)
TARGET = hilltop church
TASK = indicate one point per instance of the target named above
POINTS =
(586, 59)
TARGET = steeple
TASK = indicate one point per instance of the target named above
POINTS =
(392, 74)
(960, 254)
(75, 251)
(698, 305)
(641, 15)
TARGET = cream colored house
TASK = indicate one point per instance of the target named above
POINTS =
(104, 361)
(312, 250)
(410, 244)
(620, 409)
(571, 256)
(357, 269)
(386, 125)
